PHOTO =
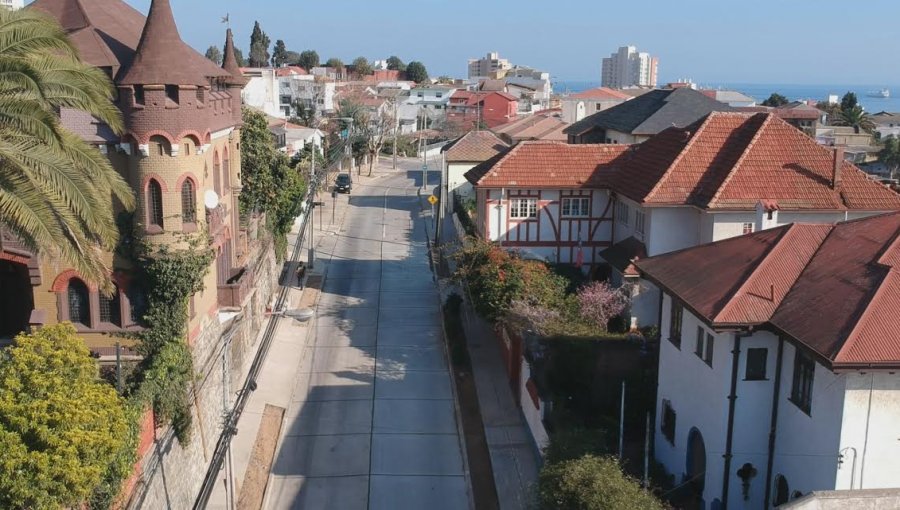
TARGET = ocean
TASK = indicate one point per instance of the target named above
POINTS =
(760, 91)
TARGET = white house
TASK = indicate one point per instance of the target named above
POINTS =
(778, 364)
(726, 175)
(461, 155)
(578, 106)
(262, 91)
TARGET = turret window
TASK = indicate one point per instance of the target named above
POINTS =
(226, 171)
(154, 204)
(172, 92)
(139, 94)
(217, 170)
(188, 202)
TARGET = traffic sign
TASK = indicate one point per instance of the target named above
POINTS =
(432, 199)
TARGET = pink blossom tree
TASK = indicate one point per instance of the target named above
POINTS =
(599, 302)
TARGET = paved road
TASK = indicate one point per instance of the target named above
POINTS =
(372, 423)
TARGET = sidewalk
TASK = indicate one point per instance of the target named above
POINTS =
(514, 460)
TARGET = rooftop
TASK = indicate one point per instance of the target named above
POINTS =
(474, 146)
(789, 278)
(545, 125)
(601, 94)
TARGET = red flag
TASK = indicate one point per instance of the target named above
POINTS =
(579, 258)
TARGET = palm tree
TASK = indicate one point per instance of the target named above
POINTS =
(856, 117)
(56, 191)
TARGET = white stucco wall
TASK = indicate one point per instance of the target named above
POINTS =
(456, 182)
(261, 92)
(672, 228)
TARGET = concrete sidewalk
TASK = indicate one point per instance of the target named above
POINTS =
(514, 459)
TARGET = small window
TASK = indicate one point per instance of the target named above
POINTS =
(137, 299)
(439, 95)
(111, 309)
(523, 208)
(623, 212)
(667, 422)
(217, 171)
(748, 228)
(756, 364)
(580, 206)
(187, 148)
(675, 324)
(639, 222)
(79, 303)
(188, 202)
(154, 203)
(770, 215)
(172, 92)
(138, 94)
(801, 391)
(704, 347)
(599, 106)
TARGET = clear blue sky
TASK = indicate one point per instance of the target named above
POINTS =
(763, 41)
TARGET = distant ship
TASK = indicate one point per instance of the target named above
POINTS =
(883, 93)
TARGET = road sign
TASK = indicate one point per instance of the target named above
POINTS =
(432, 199)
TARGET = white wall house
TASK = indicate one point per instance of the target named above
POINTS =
(262, 91)
(578, 106)
(460, 156)
(764, 333)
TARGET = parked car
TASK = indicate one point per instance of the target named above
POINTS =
(343, 183)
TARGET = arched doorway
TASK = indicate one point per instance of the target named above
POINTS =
(695, 468)
(16, 299)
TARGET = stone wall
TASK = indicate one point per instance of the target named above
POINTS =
(171, 474)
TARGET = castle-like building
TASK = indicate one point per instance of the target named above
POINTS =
(180, 152)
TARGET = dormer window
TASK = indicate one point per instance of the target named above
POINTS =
(138, 94)
(172, 93)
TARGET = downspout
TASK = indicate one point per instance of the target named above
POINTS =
(862, 467)
(773, 423)
(732, 398)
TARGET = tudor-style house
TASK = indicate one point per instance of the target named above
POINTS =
(778, 363)
(726, 175)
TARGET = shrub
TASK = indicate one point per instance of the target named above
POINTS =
(599, 302)
(592, 483)
(569, 443)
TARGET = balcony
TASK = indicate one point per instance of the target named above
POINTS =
(236, 289)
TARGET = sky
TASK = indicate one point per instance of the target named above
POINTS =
(710, 41)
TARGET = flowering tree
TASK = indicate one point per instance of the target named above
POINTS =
(524, 315)
(600, 302)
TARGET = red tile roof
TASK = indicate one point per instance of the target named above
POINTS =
(543, 164)
(290, 70)
(602, 94)
(475, 146)
(835, 289)
(732, 160)
(539, 126)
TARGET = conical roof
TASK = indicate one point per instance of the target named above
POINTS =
(230, 63)
(163, 58)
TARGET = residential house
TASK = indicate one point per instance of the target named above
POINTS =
(859, 146)
(487, 108)
(803, 116)
(180, 153)
(778, 363)
(578, 106)
(548, 199)
(291, 138)
(637, 120)
(544, 125)
(886, 123)
(725, 175)
(263, 90)
(460, 155)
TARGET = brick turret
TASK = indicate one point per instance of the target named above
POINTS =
(236, 80)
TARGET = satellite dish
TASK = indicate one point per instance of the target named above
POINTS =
(211, 199)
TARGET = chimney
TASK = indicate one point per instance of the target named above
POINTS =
(836, 168)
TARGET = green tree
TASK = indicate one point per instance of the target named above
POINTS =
(279, 54)
(259, 47)
(592, 483)
(288, 201)
(416, 72)
(291, 58)
(257, 147)
(336, 63)
(775, 100)
(395, 64)
(239, 56)
(57, 193)
(361, 66)
(215, 54)
(852, 114)
(889, 155)
(308, 59)
(61, 426)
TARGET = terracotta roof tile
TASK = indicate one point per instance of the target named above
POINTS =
(833, 289)
(475, 146)
(601, 93)
(543, 164)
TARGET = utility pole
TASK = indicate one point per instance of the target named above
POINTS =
(396, 132)
(311, 206)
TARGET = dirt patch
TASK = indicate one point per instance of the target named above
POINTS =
(257, 476)
(481, 473)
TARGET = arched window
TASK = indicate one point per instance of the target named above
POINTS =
(217, 171)
(782, 491)
(154, 203)
(226, 171)
(79, 302)
(111, 308)
(188, 202)
(160, 146)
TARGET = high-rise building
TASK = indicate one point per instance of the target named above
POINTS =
(12, 4)
(491, 66)
(628, 68)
